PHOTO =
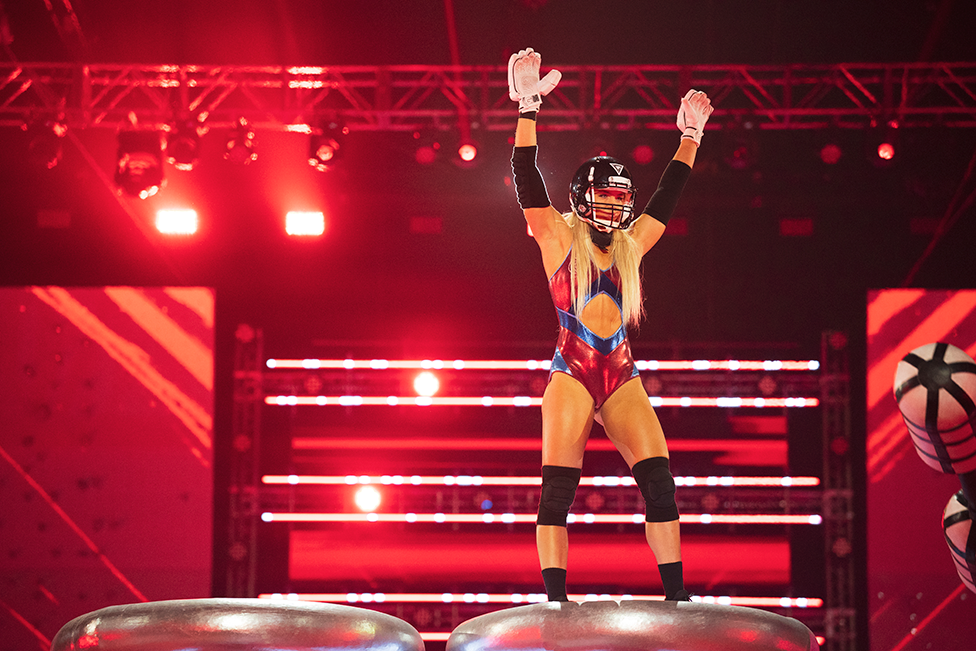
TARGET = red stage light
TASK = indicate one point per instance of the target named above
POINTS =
(326, 147)
(886, 151)
(426, 384)
(176, 222)
(139, 163)
(642, 154)
(467, 152)
(182, 144)
(368, 499)
(830, 154)
(426, 154)
(45, 148)
(304, 223)
(239, 148)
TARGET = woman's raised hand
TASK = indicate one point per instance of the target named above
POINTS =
(524, 85)
(693, 114)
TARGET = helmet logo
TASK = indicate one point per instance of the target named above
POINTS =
(617, 167)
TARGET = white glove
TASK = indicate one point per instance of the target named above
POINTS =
(693, 114)
(524, 85)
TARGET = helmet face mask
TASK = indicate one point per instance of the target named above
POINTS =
(602, 194)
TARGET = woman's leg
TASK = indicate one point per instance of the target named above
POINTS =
(567, 417)
(635, 430)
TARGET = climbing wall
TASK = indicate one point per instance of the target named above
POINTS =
(106, 452)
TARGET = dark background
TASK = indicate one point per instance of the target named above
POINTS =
(731, 278)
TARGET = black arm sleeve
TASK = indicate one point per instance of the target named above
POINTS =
(665, 198)
(529, 186)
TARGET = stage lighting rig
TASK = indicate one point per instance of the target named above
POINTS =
(139, 162)
(325, 146)
(239, 148)
(44, 149)
(183, 143)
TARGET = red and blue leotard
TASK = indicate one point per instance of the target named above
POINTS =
(601, 364)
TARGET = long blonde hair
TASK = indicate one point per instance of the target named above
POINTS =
(626, 256)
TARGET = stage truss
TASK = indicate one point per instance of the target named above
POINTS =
(418, 97)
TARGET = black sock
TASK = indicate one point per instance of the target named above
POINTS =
(672, 576)
(555, 580)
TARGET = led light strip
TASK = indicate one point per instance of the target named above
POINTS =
(478, 480)
(525, 518)
(519, 598)
(522, 401)
(543, 364)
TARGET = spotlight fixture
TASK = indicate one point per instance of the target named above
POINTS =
(183, 144)
(368, 499)
(139, 163)
(427, 150)
(642, 154)
(467, 152)
(883, 145)
(466, 157)
(325, 147)
(44, 149)
(739, 146)
(831, 153)
(304, 223)
(176, 222)
(239, 148)
(426, 384)
(740, 154)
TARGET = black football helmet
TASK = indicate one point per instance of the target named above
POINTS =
(603, 172)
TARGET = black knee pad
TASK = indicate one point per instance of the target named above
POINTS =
(558, 492)
(657, 486)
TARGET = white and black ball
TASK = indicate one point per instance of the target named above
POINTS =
(960, 536)
(935, 387)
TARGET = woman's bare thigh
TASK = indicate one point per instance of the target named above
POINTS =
(567, 417)
(632, 425)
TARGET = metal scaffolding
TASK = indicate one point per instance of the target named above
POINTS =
(408, 98)
(243, 464)
(838, 495)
